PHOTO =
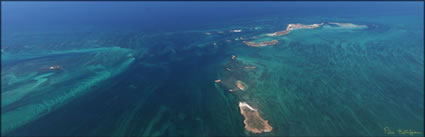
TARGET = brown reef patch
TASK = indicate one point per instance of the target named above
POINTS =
(242, 86)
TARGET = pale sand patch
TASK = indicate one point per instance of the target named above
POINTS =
(250, 67)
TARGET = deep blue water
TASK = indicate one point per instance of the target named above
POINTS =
(173, 16)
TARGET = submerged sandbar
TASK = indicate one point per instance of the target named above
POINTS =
(348, 25)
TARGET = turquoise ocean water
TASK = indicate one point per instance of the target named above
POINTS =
(148, 68)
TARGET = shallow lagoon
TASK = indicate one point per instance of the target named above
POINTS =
(324, 81)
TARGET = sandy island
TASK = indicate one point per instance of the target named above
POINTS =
(301, 26)
(55, 67)
(253, 121)
(261, 44)
(236, 30)
(233, 57)
(293, 27)
(240, 86)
